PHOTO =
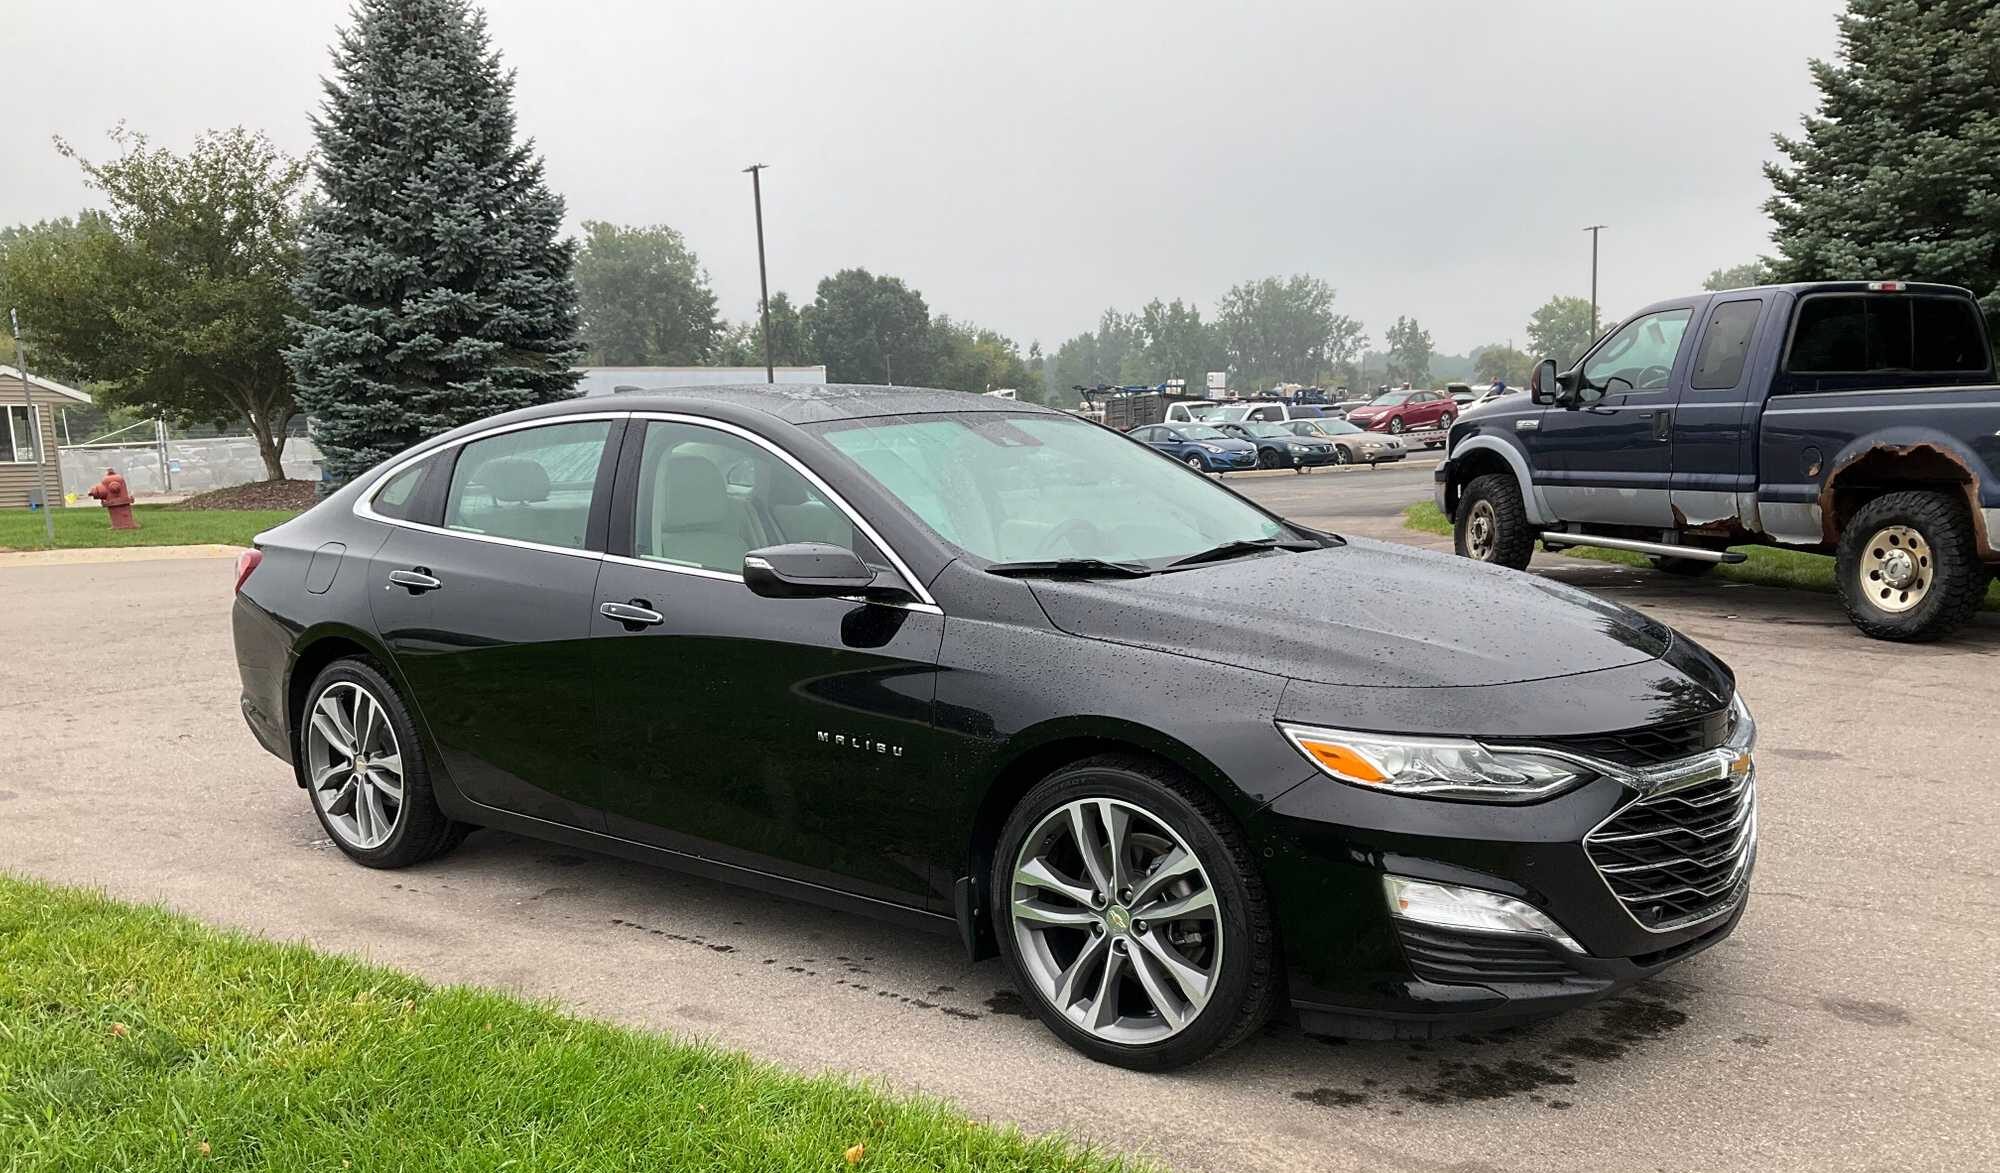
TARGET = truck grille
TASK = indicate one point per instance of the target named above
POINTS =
(1682, 855)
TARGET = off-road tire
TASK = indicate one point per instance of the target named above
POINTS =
(1957, 579)
(1513, 538)
(422, 831)
(1249, 981)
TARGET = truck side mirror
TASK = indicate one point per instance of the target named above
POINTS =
(1543, 388)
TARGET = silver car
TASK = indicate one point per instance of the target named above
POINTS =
(1351, 444)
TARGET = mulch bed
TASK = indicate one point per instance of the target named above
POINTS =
(256, 495)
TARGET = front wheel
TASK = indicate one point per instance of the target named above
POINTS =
(365, 772)
(1908, 566)
(1131, 915)
(1266, 458)
(1396, 425)
(1492, 523)
(1197, 463)
(1341, 455)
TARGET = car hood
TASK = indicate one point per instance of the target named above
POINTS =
(1366, 613)
(1229, 444)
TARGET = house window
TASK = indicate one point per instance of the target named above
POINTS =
(17, 438)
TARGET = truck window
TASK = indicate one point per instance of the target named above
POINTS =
(1641, 353)
(1725, 344)
(1858, 333)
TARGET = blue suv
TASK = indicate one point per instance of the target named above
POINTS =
(1198, 446)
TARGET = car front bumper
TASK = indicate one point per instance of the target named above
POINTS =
(1356, 970)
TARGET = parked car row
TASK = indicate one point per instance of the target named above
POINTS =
(1297, 444)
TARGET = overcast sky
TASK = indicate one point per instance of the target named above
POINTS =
(1026, 164)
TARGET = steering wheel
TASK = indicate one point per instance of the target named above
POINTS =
(1652, 378)
(1075, 526)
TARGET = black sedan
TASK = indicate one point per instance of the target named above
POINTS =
(1279, 447)
(956, 661)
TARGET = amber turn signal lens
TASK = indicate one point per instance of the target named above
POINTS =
(1340, 760)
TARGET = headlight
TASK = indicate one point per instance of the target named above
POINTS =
(1434, 767)
(1210, 448)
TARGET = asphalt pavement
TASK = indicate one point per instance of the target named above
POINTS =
(1852, 1022)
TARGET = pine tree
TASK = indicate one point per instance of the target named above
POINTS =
(436, 286)
(1898, 175)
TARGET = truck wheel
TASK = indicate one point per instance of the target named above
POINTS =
(1908, 567)
(1683, 567)
(1492, 524)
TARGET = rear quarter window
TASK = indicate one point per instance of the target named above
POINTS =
(1862, 333)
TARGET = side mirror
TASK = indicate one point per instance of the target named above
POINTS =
(1542, 385)
(806, 570)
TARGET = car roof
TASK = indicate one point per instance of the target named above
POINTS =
(801, 403)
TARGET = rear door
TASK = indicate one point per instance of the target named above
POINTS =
(1714, 469)
(1610, 462)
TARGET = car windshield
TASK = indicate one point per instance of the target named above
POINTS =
(1337, 427)
(1012, 488)
(1200, 432)
(1267, 431)
(1389, 400)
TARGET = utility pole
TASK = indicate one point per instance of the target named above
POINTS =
(763, 283)
(1594, 229)
(35, 435)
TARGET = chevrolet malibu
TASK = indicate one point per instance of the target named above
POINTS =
(956, 661)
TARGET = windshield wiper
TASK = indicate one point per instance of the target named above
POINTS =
(1240, 547)
(1081, 567)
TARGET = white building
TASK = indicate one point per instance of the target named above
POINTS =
(610, 380)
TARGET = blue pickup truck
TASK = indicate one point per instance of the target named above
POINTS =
(1857, 419)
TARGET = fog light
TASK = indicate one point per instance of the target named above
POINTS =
(1449, 906)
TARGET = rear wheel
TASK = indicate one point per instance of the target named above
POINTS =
(1908, 566)
(1492, 523)
(1131, 916)
(1683, 567)
(365, 772)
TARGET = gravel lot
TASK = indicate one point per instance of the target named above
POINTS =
(1852, 1022)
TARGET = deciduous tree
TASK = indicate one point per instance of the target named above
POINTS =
(1409, 353)
(869, 329)
(1561, 330)
(645, 298)
(1738, 276)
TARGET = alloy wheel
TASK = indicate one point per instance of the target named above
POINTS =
(1115, 921)
(1482, 528)
(1895, 569)
(1196, 463)
(354, 765)
(1341, 455)
(1396, 425)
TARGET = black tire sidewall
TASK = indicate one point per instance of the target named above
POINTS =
(421, 828)
(1219, 1023)
(1513, 539)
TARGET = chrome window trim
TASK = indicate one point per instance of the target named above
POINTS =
(725, 576)
(895, 560)
(364, 504)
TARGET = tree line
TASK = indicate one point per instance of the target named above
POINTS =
(413, 273)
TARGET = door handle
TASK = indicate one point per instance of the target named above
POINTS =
(1663, 425)
(634, 615)
(415, 581)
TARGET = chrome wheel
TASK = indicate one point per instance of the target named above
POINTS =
(1895, 568)
(1197, 463)
(1115, 921)
(1396, 425)
(1341, 455)
(354, 765)
(1481, 530)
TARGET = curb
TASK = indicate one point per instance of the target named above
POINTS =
(1345, 469)
(86, 555)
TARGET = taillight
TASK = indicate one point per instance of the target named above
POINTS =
(246, 562)
(1888, 286)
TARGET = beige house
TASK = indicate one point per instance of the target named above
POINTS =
(28, 447)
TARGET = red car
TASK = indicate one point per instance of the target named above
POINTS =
(1405, 411)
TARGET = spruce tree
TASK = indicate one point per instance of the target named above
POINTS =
(436, 284)
(1898, 175)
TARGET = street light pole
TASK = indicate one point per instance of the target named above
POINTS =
(1594, 229)
(763, 282)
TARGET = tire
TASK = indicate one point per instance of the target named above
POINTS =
(1236, 946)
(1341, 454)
(1266, 458)
(1396, 425)
(419, 830)
(1507, 540)
(1446, 420)
(1926, 535)
(1196, 463)
(1684, 567)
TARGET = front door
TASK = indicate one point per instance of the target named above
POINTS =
(1609, 462)
(786, 736)
(485, 603)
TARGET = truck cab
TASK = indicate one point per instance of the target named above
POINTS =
(1857, 419)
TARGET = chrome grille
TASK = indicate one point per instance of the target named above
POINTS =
(1682, 855)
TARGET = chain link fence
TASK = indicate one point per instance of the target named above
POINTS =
(191, 466)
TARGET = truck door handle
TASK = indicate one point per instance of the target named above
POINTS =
(415, 581)
(1663, 425)
(634, 615)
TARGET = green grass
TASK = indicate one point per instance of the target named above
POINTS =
(1765, 566)
(133, 1039)
(159, 525)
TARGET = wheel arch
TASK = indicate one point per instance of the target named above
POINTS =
(1478, 456)
(315, 648)
(1897, 459)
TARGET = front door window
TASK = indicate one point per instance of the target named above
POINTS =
(1640, 356)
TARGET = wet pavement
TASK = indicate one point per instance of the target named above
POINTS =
(1853, 1021)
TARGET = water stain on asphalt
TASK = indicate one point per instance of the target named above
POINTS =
(1009, 1002)
(563, 860)
(1865, 1012)
(1805, 755)
(1332, 1097)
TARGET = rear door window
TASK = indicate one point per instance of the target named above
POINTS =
(533, 485)
(1725, 344)
(1862, 333)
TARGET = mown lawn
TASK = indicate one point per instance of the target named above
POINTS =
(159, 525)
(132, 1039)
(1765, 567)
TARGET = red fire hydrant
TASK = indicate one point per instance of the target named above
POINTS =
(117, 499)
